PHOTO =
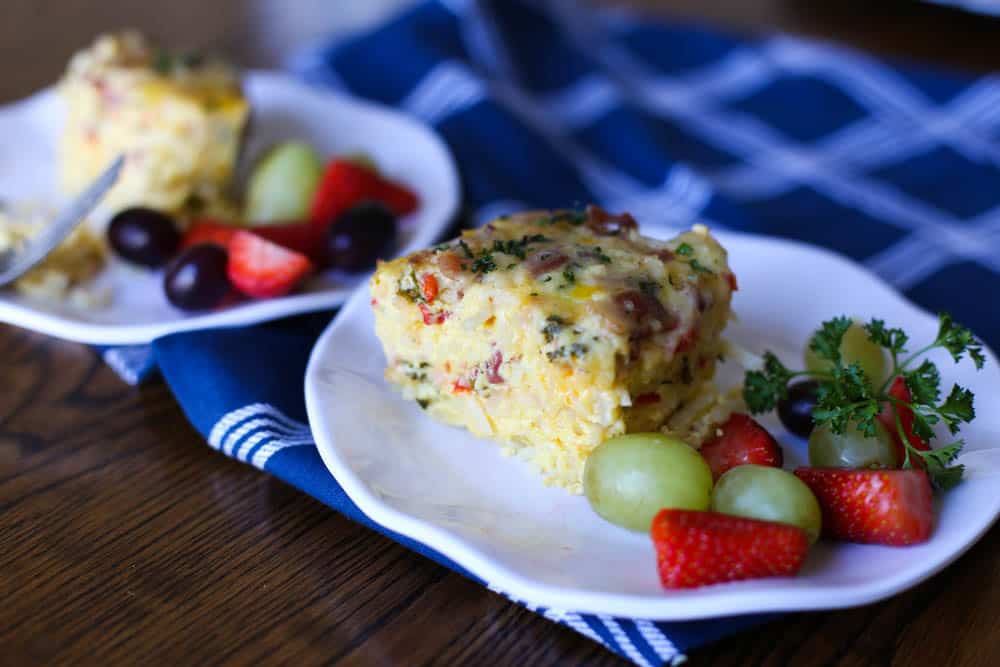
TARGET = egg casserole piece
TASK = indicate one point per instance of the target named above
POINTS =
(178, 118)
(553, 331)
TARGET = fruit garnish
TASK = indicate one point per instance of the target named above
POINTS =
(144, 236)
(847, 394)
(892, 507)
(700, 548)
(899, 391)
(283, 183)
(262, 269)
(629, 478)
(358, 238)
(343, 184)
(400, 199)
(302, 237)
(208, 231)
(741, 441)
(853, 449)
(768, 494)
(196, 279)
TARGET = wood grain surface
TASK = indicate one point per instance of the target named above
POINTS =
(125, 540)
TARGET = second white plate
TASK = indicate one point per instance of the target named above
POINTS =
(492, 515)
(283, 108)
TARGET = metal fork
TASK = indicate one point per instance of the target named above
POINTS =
(15, 263)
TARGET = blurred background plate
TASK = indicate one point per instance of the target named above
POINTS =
(283, 108)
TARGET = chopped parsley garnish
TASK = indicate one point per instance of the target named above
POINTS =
(409, 289)
(423, 403)
(465, 248)
(442, 247)
(848, 396)
(569, 276)
(686, 250)
(554, 324)
(572, 351)
(484, 261)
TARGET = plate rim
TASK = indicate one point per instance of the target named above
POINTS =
(65, 327)
(660, 607)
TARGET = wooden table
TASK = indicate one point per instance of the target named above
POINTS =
(124, 539)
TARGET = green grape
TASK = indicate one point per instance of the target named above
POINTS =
(282, 184)
(855, 346)
(852, 449)
(768, 494)
(630, 478)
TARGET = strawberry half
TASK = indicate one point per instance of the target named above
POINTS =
(701, 548)
(207, 230)
(302, 237)
(893, 507)
(397, 198)
(741, 441)
(344, 183)
(262, 269)
(901, 392)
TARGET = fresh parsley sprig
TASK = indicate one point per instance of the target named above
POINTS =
(846, 395)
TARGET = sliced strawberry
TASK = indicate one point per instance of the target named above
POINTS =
(901, 392)
(262, 269)
(302, 237)
(344, 184)
(893, 507)
(206, 230)
(701, 548)
(399, 199)
(742, 441)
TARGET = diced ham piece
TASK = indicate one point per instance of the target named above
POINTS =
(545, 261)
(603, 223)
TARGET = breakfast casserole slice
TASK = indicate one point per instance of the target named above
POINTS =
(553, 331)
(178, 118)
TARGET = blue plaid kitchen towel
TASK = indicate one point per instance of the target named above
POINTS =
(545, 104)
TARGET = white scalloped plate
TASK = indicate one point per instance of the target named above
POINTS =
(491, 514)
(283, 108)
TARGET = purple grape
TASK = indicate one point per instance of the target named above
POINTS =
(796, 410)
(361, 235)
(197, 279)
(144, 236)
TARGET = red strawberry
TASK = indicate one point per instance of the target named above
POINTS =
(344, 184)
(892, 507)
(262, 269)
(302, 237)
(901, 392)
(207, 230)
(741, 441)
(701, 548)
(397, 198)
